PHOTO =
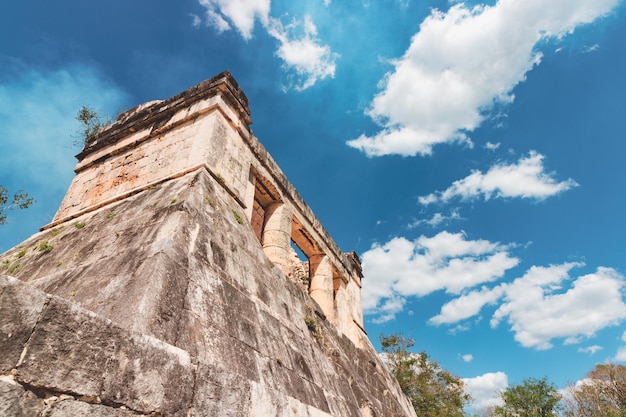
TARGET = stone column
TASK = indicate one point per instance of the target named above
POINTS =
(321, 288)
(277, 235)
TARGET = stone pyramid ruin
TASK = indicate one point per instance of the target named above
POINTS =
(167, 284)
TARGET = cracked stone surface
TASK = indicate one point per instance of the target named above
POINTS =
(172, 309)
(163, 302)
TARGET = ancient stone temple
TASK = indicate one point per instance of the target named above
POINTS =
(169, 283)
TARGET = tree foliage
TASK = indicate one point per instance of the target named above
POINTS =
(601, 394)
(434, 392)
(20, 200)
(532, 398)
(91, 123)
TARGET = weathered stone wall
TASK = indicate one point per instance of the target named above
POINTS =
(165, 303)
(157, 289)
(208, 126)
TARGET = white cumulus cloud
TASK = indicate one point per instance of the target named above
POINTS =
(467, 305)
(485, 389)
(525, 179)
(446, 261)
(539, 310)
(545, 304)
(460, 65)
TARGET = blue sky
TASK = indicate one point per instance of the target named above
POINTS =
(471, 153)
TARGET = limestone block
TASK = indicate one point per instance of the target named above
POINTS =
(69, 350)
(220, 393)
(74, 351)
(73, 408)
(148, 375)
(270, 402)
(20, 308)
(17, 402)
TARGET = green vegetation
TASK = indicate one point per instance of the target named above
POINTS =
(21, 254)
(45, 247)
(433, 392)
(20, 200)
(312, 326)
(79, 225)
(14, 267)
(237, 217)
(209, 200)
(91, 123)
(173, 200)
(532, 398)
(603, 393)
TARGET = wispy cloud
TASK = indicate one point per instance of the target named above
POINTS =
(445, 262)
(620, 356)
(592, 350)
(460, 65)
(196, 21)
(468, 305)
(306, 59)
(492, 146)
(437, 219)
(242, 14)
(525, 179)
(303, 55)
(591, 48)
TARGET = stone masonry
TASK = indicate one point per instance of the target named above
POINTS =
(168, 283)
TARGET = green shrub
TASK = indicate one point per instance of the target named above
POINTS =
(45, 247)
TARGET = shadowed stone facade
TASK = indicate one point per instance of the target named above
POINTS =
(168, 284)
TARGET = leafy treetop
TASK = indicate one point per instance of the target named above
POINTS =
(433, 392)
(91, 122)
(20, 200)
(532, 398)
